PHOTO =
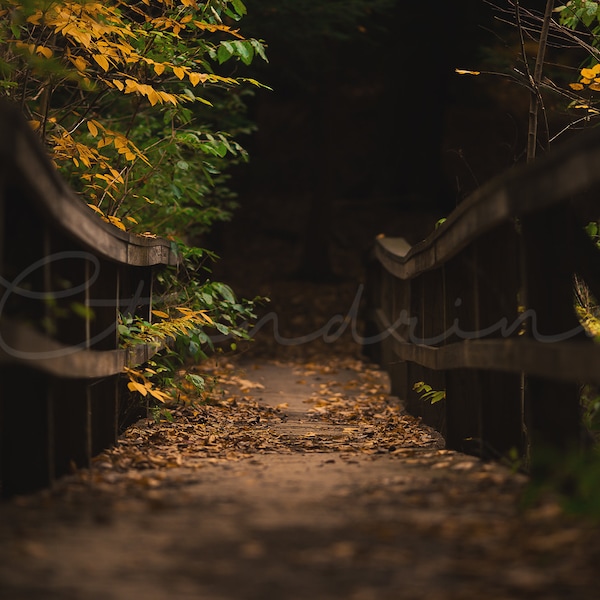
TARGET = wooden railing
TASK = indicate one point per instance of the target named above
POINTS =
(66, 275)
(484, 309)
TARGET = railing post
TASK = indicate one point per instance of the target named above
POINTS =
(428, 310)
(498, 283)
(70, 431)
(463, 388)
(553, 411)
(25, 438)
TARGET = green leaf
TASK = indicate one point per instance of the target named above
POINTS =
(222, 328)
(196, 381)
(244, 50)
(221, 149)
(239, 7)
(259, 49)
(224, 291)
(81, 310)
(123, 329)
(225, 52)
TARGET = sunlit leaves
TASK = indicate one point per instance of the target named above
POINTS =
(102, 61)
(466, 72)
(571, 15)
(428, 394)
(130, 98)
(576, 11)
(239, 7)
(154, 55)
(140, 383)
(590, 79)
(243, 49)
(92, 128)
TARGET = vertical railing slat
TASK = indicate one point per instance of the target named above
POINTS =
(499, 284)
(553, 411)
(463, 391)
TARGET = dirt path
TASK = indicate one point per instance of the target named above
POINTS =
(299, 480)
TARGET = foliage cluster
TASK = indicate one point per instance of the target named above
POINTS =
(190, 320)
(140, 105)
(428, 394)
(129, 97)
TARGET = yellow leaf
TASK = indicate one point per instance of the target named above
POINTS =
(95, 208)
(46, 52)
(131, 86)
(34, 19)
(160, 313)
(132, 220)
(159, 68)
(101, 60)
(196, 78)
(160, 396)
(576, 86)
(118, 84)
(179, 72)
(205, 316)
(588, 73)
(595, 87)
(80, 63)
(92, 128)
(35, 125)
(187, 18)
(116, 222)
(116, 175)
(134, 386)
(153, 96)
(466, 72)
(168, 98)
(586, 81)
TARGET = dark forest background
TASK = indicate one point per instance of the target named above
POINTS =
(368, 129)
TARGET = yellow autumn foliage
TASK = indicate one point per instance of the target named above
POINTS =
(107, 48)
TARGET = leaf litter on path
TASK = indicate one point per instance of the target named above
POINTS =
(312, 471)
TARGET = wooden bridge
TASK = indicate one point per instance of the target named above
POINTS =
(482, 309)
(300, 480)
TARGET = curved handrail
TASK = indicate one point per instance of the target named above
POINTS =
(20, 341)
(571, 168)
(25, 160)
